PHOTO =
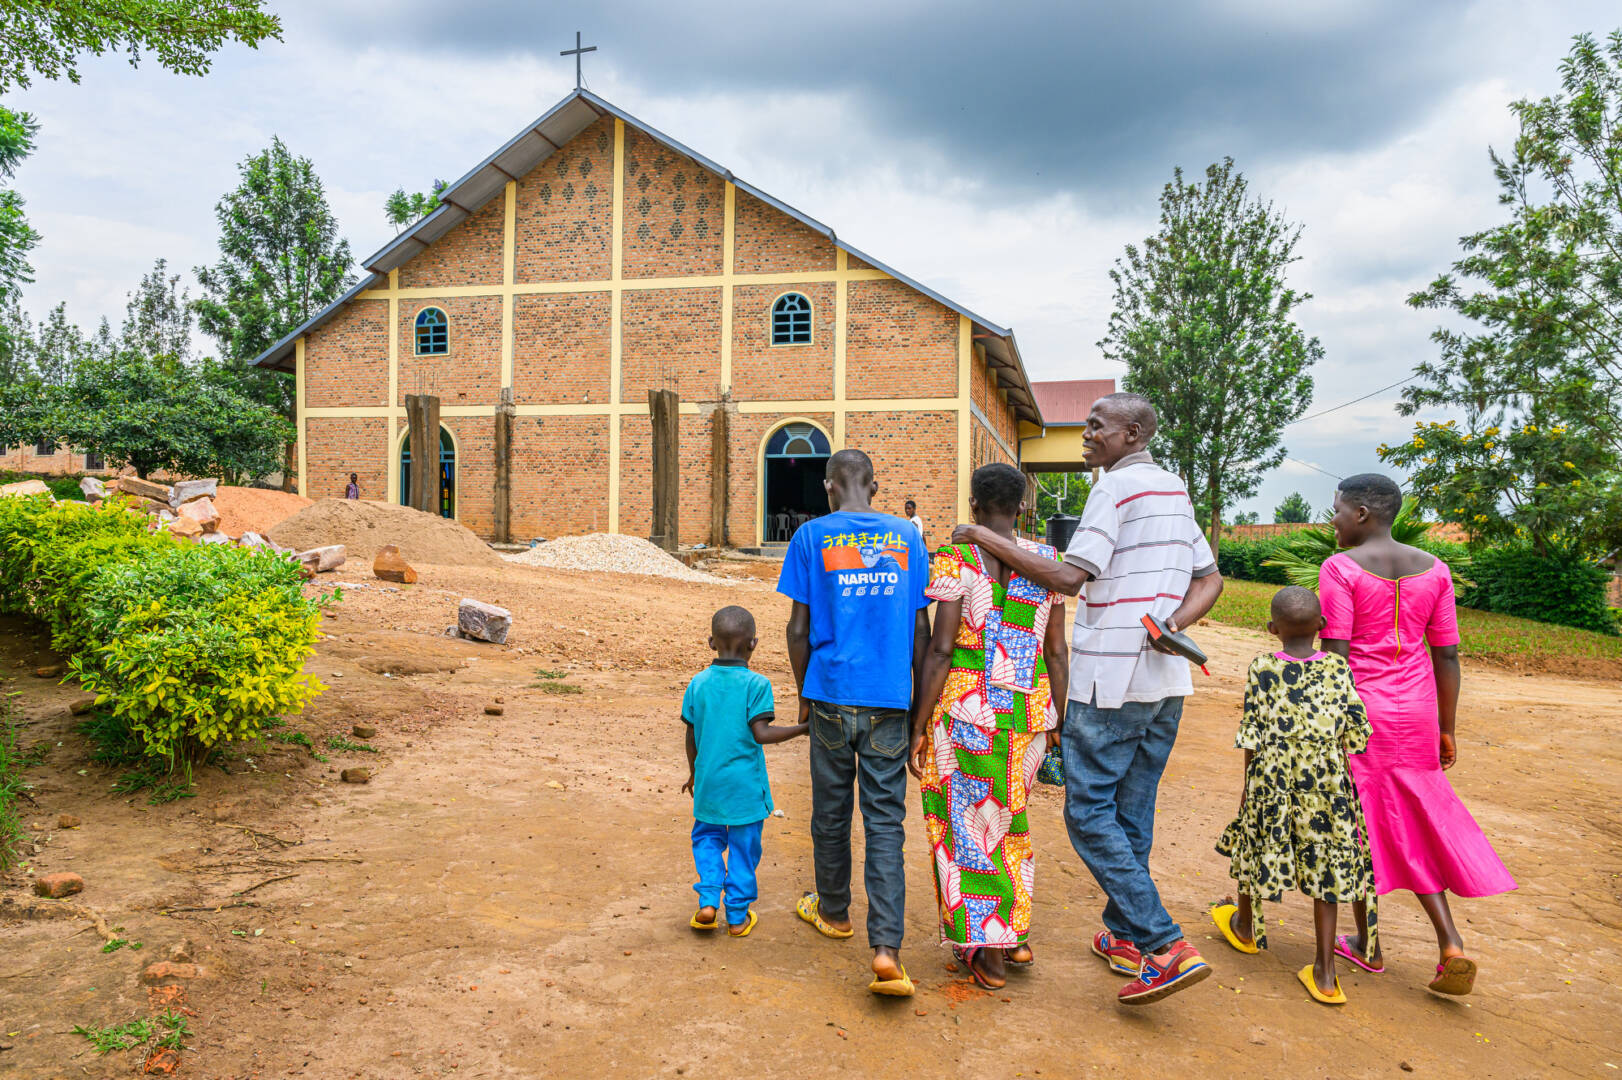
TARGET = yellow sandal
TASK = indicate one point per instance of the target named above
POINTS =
(1222, 915)
(806, 908)
(698, 924)
(901, 987)
(1337, 998)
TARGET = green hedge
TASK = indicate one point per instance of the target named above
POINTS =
(1556, 588)
(1243, 559)
(184, 645)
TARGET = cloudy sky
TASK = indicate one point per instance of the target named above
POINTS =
(1002, 153)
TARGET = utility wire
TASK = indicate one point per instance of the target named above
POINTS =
(1354, 401)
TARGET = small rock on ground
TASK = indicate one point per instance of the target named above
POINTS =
(48, 671)
(58, 885)
(360, 775)
(80, 706)
(493, 710)
(67, 821)
(362, 731)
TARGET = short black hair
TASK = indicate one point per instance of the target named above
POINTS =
(1376, 491)
(733, 624)
(1295, 606)
(998, 487)
(850, 468)
(912, 503)
(1135, 408)
(353, 476)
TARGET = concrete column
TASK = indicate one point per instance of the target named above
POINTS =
(422, 416)
(664, 411)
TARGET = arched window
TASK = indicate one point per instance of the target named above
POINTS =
(791, 320)
(797, 440)
(433, 332)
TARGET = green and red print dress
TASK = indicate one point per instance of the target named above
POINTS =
(984, 744)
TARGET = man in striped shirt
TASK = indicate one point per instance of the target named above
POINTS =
(1138, 550)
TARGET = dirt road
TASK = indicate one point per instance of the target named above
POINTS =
(509, 895)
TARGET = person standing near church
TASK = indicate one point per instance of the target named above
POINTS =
(352, 489)
(917, 522)
(1137, 551)
(856, 641)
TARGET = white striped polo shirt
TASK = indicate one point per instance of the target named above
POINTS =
(1139, 540)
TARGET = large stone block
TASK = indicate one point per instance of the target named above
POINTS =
(325, 558)
(483, 622)
(202, 511)
(391, 566)
(146, 489)
(94, 490)
(185, 526)
(187, 490)
(25, 487)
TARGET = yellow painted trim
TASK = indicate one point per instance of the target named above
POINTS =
(841, 330)
(616, 267)
(391, 482)
(729, 235)
(350, 412)
(640, 408)
(830, 405)
(631, 284)
(760, 468)
(301, 413)
(509, 262)
(965, 357)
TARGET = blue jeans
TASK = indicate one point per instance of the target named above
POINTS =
(1113, 759)
(735, 875)
(866, 748)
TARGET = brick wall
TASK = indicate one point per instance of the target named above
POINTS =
(470, 254)
(339, 446)
(671, 339)
(761, 370)
(559, 476)
(766, 240)
(674, 210)
(470, 373)
(748, 433)
(59, 463)
(914, 457)
(561, 347)
(564, 211)
(636, 477)
(346, 362)
(899, 343)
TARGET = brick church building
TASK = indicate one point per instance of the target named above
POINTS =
(592, 259)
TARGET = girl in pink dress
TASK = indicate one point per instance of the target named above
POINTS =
(1383, 603)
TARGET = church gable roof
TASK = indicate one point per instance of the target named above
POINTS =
(548, 134)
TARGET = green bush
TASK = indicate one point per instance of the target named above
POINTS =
(1559, 587)
(183, 645)
(1246, 560)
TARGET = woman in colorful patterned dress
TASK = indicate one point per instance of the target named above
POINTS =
(984, 718)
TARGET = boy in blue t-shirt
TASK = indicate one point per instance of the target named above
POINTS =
(728, 713)
(856, 640)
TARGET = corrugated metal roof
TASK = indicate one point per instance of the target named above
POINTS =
(538, 141)
(1067, 402)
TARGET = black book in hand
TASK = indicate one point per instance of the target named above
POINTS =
(1175, 640)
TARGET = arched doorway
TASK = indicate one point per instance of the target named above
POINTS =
(447, 472)
(795, 460)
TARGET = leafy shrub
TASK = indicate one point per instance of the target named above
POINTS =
(1299, 555)
(183, 645)
(1247, 560)
(1559, 587)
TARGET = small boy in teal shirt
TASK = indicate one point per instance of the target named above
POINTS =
(728, 712)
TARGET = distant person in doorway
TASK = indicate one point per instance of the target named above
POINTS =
(856, 641)
(1389, 609)
(1137, 551)
(352, 489)
(917, 522)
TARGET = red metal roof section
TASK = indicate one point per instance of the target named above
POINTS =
(1069, 401)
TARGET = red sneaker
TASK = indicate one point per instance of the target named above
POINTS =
(1162, 976)
(1122, 956)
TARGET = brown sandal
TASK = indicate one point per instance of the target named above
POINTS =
(1456, 976)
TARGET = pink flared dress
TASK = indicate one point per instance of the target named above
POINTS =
(1420, 835)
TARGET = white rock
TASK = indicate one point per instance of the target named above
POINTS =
(94, 490)
(483, 622)
(327, 558)
(186, 490)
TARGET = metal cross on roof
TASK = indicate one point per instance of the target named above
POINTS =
(575, 52)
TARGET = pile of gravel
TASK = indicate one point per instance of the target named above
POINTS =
(610, 553)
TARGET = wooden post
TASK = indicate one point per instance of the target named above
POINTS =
(422, 417)
(504, 460)
(663, 410)
(719, 424)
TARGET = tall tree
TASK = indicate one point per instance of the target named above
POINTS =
(47, 38)
(403, 208)
(59, 347)
(1206, 326)
(281, 261)
(17, 131)
(1538, 378)
(158, 317)
(16, 343)
(1293, 510)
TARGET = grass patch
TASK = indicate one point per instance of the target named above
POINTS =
(549, 673)
(557, 688)
(1481, 633)
(337, 742)
(12, 763)
(118, 1036)
(118, 943)
(163, 788)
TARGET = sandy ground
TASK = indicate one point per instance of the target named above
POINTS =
(509, 895)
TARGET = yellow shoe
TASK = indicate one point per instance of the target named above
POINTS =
(1223, 915)
(1337, 998)
(901, 987)
(806, 908)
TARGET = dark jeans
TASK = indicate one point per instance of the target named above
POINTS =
(1113, 759)
(867, 748)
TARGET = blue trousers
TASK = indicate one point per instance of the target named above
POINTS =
(726, 857)
(1113, 759)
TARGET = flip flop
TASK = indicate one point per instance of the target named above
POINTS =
(806, 909)
(965, 956)
(1337, 998)
(1222, 915)
(697, 924)
(1456, 975)
(1345, 951)
(749, 924)
(901, 987)
(1008, 958)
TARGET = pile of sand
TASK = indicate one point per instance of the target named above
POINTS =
(259, 510)
(608, 553)
(363, 527)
